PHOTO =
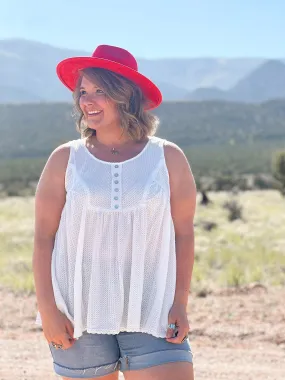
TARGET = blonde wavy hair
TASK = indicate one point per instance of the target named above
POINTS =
(135, 120)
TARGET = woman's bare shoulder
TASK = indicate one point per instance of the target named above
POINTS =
(174, 155)
(59, 157)
(51, 194)
(57, 162)
(62, 151)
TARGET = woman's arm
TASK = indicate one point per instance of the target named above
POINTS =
(183, 206)
(49, 202)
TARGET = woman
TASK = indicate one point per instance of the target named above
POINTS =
(114, 241)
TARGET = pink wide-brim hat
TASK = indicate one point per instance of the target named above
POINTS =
(111, 58)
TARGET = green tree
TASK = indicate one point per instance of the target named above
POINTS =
(278, 168)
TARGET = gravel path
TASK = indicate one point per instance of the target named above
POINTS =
(235, 335)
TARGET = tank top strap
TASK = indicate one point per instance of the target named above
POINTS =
(158, 141)
(75, 146)
(158, 144)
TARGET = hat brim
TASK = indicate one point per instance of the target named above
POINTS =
(68, 72)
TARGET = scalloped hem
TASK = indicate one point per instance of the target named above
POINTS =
(79, 331)
(116, 332)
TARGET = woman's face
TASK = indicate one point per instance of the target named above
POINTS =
(99, 111)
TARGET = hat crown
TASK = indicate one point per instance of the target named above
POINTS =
(116, 54)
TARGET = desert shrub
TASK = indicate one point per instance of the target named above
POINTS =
(234, 209)
(224, 183)
(263, 182)
(205, 200)
(229, 182)
(18, 189)
(208, 225)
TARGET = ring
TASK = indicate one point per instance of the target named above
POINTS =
(55, 345)
(172, 326)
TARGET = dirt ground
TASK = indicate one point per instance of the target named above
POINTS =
(235, 335)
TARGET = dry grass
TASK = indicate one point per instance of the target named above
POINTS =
(246, 250)
(16, 243)
(235, 253)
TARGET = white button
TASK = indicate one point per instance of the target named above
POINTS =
(116, 190)
(116, 182)
(116, 166)
(116, 206)
(116, 198)
(116, 175)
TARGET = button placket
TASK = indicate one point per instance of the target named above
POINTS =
(116, 192)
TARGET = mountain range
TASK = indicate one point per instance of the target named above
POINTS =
(27, 75)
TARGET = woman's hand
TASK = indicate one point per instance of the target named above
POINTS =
(58, 329)
(178, 316)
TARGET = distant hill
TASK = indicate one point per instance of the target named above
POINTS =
(207, 93)
(28, 68)
(171, 92)
(217, 137)
(264, 83)
(10, 94)
(33, 130)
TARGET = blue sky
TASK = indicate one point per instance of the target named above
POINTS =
(152, 28)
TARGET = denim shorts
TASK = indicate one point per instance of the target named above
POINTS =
(96, 355)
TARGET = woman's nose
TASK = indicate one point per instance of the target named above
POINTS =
(88, 99)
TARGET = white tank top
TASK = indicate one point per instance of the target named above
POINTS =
(114, 262)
